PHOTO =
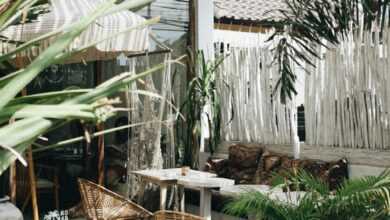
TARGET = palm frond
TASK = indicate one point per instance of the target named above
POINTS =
(258, 204)
(358, 199)
(308, 24)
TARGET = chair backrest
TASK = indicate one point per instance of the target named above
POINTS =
(101, 203)
(172, 215)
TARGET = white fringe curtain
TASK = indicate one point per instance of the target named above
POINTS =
(250, 110)
(347, 98)
(145, 146)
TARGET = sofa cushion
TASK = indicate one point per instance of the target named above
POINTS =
(257, 165)
(242, 156)
(337, 173)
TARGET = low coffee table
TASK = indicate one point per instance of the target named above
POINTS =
(203, 181)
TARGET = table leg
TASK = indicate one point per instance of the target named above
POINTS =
(182, 198)
(205, 203)
(141, 191)
(163, 196)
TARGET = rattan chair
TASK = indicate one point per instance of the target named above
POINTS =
(100, 203)
(171, 215)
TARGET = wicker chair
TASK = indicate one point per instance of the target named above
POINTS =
(100, 203)
(171, 215)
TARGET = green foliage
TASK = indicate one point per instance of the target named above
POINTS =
(363, 198)
(307, 24)
(201, 91)
(37, 114)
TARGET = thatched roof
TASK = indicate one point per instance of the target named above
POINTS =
(249, 10)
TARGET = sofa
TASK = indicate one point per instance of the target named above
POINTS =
(261, 166)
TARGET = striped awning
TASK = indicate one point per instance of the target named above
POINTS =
(65, 12)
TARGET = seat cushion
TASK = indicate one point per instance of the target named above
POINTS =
(242, 156)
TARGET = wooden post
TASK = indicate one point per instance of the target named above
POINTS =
(101, 156)
(192, 34)
(100, 127)
(31, 175)
(12, 178)
(12, 182)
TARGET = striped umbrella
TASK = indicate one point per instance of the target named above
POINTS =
(65, 12)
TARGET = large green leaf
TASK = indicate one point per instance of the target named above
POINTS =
(14, 13)
(65, 55)
(44, 60)
(12, 8)
(27, 130)
(79, 111)
(94, 135)
(48, 97)
(75, 104)
(7, 157)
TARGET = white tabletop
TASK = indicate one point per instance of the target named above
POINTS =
(194, 178)
(204, 182)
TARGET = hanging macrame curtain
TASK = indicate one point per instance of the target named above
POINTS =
(148, 141)
(251, 112)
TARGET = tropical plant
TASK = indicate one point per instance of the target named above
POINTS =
(201, 91)
(307, 24)
(34, 115)
(363, 198)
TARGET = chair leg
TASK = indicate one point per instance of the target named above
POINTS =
(25, 203)
(56, 199)
(56, 194)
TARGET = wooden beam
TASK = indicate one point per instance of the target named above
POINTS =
(241, 28)
(149, 53)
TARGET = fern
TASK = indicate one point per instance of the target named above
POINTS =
(359, 199)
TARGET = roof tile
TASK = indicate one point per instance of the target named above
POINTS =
(254, 10)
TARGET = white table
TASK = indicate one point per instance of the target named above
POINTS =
(203, 181)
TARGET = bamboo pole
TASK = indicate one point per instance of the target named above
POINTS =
(100, 128)
(101, 156)
(32, 184)
(12, 182)
(32, 178)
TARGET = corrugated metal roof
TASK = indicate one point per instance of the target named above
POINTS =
(251, 10)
